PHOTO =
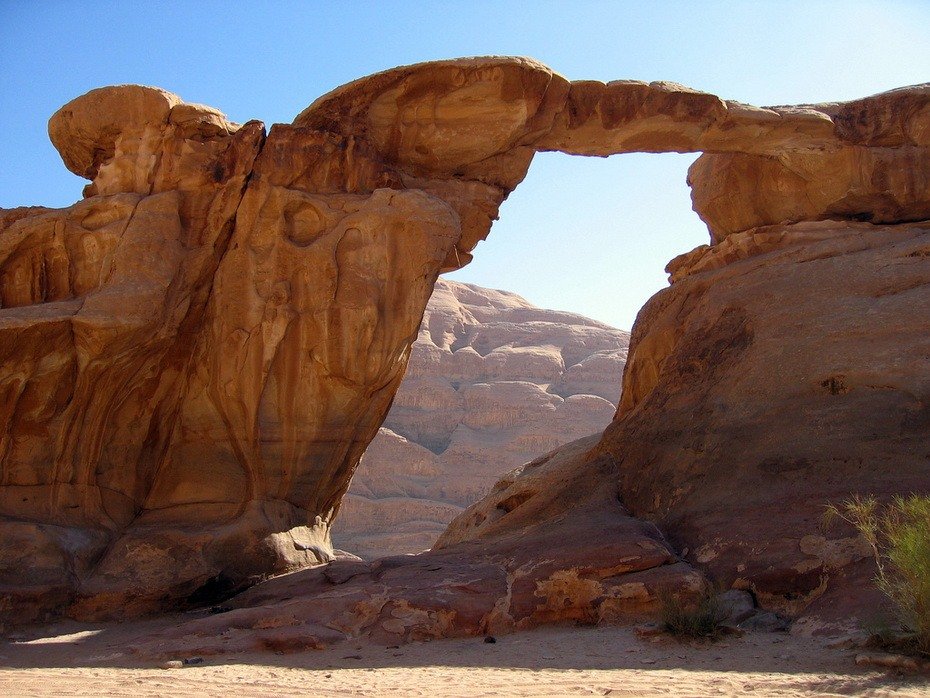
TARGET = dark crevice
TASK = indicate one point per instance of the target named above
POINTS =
(215, 590)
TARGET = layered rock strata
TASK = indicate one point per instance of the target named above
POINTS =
(197, 354)
(492, 383)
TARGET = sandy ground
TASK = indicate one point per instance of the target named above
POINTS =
(72, 660)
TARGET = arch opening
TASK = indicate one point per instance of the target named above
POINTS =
(494, 382)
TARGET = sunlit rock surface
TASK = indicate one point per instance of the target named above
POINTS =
(493, 382)
(196, 355)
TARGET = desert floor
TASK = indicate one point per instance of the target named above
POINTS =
(75, 660)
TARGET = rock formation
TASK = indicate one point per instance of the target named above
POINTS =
(492, 383)
(197, 354)
(784, 371)
(513, 562)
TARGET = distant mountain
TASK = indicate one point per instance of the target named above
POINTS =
(493, 382)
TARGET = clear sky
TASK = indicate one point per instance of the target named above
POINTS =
(583, 234)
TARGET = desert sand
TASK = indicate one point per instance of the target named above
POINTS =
(87, 660)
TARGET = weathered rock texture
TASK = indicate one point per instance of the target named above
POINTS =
(197, 354)
(514, 562)
(781, 371)
(195, 357)
(492, 383)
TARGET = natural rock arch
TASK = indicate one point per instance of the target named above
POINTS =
(195, 357)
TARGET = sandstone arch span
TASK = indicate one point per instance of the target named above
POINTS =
(196, 355)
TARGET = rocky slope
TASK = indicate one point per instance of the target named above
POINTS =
(194, 358)
(492, 383)
(781, 371)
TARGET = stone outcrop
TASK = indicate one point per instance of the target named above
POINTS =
(877, 167)
(783, 372)
(195, 356)
(492, 383)
(511, 562)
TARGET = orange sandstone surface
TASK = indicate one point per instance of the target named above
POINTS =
(195, 357)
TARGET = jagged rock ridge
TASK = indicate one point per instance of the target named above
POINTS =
(492, 383)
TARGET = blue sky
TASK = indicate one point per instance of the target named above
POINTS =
(583, 234)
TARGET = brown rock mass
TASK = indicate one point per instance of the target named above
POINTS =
(195, 356)
(511, 562)
(790, 374)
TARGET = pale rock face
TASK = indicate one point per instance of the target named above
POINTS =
(492, 383)
(194, 358)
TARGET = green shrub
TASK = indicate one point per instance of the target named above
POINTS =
(899, 535)
(699, 619)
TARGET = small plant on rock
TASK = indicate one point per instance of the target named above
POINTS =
(698, 619)
(899, 535)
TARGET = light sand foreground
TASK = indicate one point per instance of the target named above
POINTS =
(545, 662)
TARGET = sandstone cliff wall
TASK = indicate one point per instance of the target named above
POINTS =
(492, 383)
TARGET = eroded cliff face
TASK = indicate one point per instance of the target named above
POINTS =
(197, 354)
(785, 372)
(493, 382)
(200, 351)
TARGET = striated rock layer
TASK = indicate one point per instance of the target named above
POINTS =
(199, 352)
(195, 356)
(492, 383)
